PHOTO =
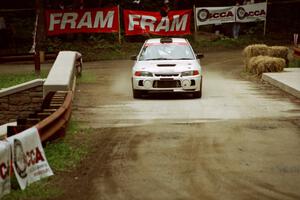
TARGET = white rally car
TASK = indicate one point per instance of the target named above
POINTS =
(167, 65)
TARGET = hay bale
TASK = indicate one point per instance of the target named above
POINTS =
(273, 64)
(255, 50)
(278, 52)
(253, 64)
(262, 64)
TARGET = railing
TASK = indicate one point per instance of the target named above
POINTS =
(55, 124)
(58, 91)
(62, 73)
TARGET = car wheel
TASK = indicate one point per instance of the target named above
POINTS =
(198, 94)
(137, 94)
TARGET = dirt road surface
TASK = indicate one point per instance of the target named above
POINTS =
(240, 141)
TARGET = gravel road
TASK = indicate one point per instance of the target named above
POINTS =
(240, 141)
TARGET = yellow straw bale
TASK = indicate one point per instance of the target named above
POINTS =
(255, 50)
(253, 64)
(261, 64)
(278, 52)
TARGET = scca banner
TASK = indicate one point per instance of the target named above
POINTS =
(215, 15)
(28, 157)
(143, 22)
(251, 12)
(82, 21)
(5, 161)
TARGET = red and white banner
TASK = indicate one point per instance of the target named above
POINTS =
(215, 15)
(28, 157)
(104, 20)
(144, 22)
(251, 12)
(5, 161)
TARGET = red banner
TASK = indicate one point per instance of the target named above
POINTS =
(143, 22)
(82, 21)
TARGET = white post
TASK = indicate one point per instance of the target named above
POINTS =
(195, 22)
(296, 39)
(265, 23)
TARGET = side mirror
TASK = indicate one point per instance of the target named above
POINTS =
(134, 57)
(199, 55)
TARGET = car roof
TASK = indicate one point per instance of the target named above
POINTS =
(158, 40)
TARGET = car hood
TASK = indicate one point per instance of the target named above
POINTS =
(167, 66)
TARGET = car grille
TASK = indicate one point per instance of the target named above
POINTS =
(166, 65)
(167, 84)
(166, 75)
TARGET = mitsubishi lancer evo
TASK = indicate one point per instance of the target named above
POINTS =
(167, 65)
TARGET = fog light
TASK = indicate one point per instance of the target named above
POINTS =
(193, 83)
(141, 83)
(185, 84)
(148, 84)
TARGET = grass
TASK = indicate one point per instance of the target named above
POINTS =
(38, 190)
(8, 80)
(63, 155)
(87, 77)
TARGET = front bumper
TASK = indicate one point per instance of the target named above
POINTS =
(167, 84)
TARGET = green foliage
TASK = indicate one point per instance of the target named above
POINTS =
(106, 47)
(222, 42)
(294, 63)
(93, 46)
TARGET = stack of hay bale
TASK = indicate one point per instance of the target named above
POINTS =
(260, 58)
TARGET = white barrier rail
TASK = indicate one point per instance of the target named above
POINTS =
(62, 73)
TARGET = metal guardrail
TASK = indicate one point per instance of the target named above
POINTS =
(55, 124)
(56, 110)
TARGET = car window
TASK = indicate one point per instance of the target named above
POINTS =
(166, 52)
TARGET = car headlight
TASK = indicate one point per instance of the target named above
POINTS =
(143, 73)
(190, 73)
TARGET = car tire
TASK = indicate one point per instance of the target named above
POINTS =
(137, 94)
(198, 94)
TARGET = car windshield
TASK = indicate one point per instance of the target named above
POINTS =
(167, 51)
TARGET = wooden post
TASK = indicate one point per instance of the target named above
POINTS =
(37, 63)
(119, 20)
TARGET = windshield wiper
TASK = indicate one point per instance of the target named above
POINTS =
(158, 59)
(183, 59)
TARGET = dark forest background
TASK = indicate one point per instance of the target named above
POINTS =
(283, 17)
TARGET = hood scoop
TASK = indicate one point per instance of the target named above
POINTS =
(166, 65)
